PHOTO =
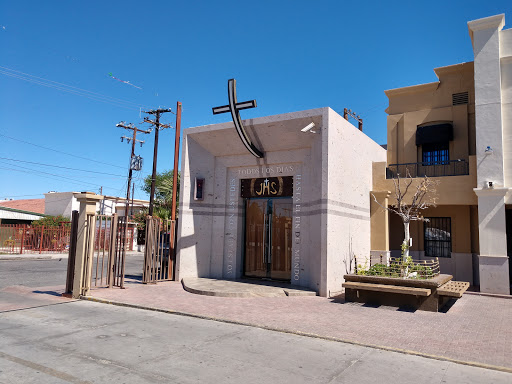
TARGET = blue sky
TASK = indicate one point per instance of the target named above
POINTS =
(288, 55)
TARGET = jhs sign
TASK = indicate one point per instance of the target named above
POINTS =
(267, 187)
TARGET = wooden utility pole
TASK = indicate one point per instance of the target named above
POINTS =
(348, 113)
(158, 127)
(134, 140)
(176, 160)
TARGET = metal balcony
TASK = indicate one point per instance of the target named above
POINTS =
(434, 169)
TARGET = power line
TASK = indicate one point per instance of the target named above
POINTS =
(37, 172)
(64, 153)
(69, 88)
(59, 166)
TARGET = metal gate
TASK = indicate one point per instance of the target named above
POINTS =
(105, 252)
(159, 255)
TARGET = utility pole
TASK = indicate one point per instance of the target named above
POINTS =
(158, 127)
(176, 159)
(348, 113)
(134, 140)
(133, 194)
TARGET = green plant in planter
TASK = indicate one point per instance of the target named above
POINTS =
(362, 269)
(408, 269)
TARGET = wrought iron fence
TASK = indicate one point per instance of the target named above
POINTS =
(159, 255)
(396, 267)
(23, 238)
(433, 169)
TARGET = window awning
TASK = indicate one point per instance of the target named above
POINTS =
(436, 133)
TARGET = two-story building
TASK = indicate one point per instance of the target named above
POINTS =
(457, 131)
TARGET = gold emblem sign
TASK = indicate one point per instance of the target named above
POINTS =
(267, 187)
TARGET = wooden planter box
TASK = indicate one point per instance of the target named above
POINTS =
(423, 294)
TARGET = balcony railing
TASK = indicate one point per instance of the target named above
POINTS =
(435, 169)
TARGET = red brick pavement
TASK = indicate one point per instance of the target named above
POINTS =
(475, 329)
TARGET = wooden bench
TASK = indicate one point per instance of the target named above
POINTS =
(428, 295)
(453, 289)
(388, 288)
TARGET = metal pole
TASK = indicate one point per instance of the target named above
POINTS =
(155, 154)
(176, 160)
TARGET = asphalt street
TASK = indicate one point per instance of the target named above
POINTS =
(51, 272)
(47, 339)
(86, 342)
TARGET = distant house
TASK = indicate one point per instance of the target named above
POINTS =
(17, 216)
(63, 203)
(21, 211)
(30, 205)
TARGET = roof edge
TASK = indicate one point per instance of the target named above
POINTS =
(22, 211)
(427, 87)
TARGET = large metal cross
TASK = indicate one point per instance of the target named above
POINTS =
(234, 108)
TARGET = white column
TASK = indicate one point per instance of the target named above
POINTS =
(493, 259)
(485, 35)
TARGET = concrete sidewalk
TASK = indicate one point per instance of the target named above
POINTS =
(476, 330)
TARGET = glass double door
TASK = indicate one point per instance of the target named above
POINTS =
(268, 238)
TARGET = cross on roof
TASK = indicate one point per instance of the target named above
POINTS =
(234, 108)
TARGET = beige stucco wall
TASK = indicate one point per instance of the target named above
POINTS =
(411, 107)
(457, 190)
(461, 262)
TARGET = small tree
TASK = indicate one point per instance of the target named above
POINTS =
(163, 193)
(423, 197)
(52, 221)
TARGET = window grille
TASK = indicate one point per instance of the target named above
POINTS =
(435, 153)
(437, 237)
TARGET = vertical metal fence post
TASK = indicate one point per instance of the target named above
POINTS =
(22, 239)
(41, 239)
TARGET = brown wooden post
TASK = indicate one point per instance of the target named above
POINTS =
(172, 244)
(72, 253)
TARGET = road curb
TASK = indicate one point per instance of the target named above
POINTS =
(18, 258)
(496, 295)
(300, 333)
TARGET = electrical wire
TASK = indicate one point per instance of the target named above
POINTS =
(64, 153)
(69, 88)
(57, 177)
(59, 166)
(35, 171)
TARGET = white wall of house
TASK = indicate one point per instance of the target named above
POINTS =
(60, 203)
